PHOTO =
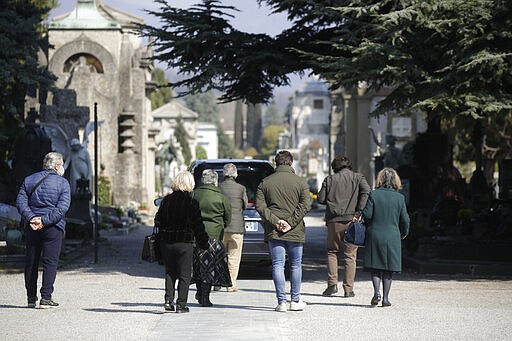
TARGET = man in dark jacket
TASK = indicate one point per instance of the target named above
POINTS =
(344, 193)
(43, 200)
(282, 200)
(234, 232)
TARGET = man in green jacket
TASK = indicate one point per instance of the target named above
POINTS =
(282, 200)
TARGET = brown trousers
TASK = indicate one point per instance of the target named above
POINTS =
(335, 233)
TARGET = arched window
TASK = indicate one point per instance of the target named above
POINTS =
(83, 59)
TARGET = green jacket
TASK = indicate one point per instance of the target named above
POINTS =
(215, 210)
(386, 219)
(283, 195)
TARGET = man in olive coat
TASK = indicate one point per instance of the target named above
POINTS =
(234, 232)
(282, 200)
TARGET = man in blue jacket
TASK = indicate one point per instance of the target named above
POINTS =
(43, 200)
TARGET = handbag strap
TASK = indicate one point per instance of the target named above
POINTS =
(37, 184)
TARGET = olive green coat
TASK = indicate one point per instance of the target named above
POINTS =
(215, 210)
(386, 219)
(283, 195)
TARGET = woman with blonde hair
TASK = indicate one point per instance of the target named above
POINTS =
(387, 222)
(179, 221)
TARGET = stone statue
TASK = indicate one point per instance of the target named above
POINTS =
(80, 167)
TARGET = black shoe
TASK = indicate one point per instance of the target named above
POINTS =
(349, 294)
(168, 306)
(45, 304)
(31, 305)
(375, 300)
(181, 310)
(386, 304)
(206, 304)
(331, 290)
(217, 288)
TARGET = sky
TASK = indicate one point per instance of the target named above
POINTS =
(252, 18)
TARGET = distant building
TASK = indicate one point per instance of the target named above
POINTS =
(208, 139)
(309, 128)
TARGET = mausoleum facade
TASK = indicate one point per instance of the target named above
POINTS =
(98, 52)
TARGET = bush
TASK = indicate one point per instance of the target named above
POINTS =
(104, 191)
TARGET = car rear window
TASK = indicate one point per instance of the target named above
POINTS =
(249, 174)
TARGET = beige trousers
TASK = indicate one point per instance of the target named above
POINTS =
(233, 243)
(335, 233)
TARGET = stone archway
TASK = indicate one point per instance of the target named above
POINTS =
(82, 45)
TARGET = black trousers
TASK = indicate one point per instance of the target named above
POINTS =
(44, 245)
(177, 259)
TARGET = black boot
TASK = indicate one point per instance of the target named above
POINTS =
(198, 293)
(205, 295)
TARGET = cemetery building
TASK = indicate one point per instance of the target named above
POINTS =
(97, 52)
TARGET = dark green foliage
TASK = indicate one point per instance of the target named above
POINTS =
(239, 125)
(104, 191)
(254, 123)
(181, 136)
(20, 41)
(201, 153)
(212, 54)
(269, 139)
(163, 94)
(449, 58)
(226, 147)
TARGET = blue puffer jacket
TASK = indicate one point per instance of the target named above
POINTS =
(50, 200)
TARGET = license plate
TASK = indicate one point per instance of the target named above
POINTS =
(251, 226)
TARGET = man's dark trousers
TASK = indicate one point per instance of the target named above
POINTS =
(45, 245)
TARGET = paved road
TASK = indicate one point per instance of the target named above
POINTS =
(121, 299)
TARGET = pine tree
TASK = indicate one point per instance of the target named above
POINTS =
(449, 58)
(21, 39)
(181, 136)
(253, 125)
(163, 94)
(239, 125)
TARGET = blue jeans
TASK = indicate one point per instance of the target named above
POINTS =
(278, 250)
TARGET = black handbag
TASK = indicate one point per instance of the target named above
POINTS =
(356, 233)
(151, 247)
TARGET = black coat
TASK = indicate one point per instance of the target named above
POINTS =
(179, 220)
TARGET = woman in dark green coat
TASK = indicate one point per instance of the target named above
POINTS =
(387, 223)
